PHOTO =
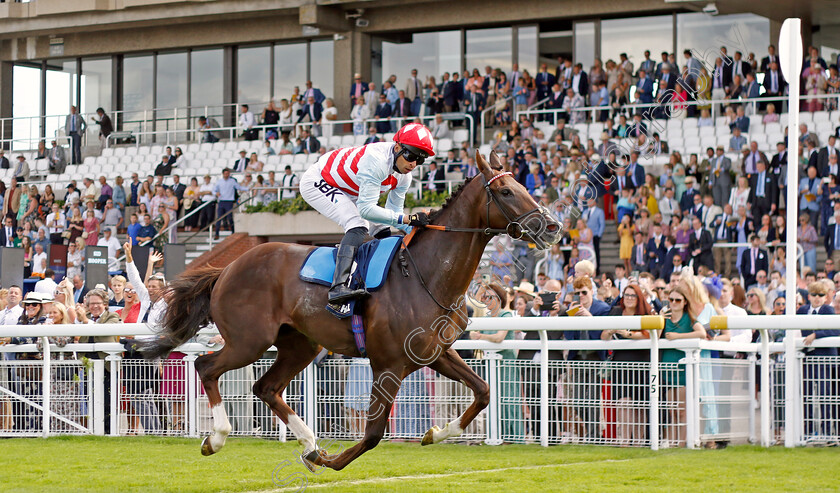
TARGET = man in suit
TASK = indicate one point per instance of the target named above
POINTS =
(435, 178)
(700, 245)
(449, 93)
(723, 231)
(644, 89)
(771, 58)
(313, 92)
(635, 171)
(810, 188)
(774, 84)
(105, 125)
(580, 81)
(823, 157)
(764, 192)
(753, 260)
(178, 188)
(595, 220)
(372, 138)
(668, 259)
(312, 109)
(668, 205)
(667, 81)
(739, 66)
(402, 107)
(357, 89)
(383, 110)
(21, 169)
(648, 65)
(308, 143)
(639, 255)
(621, 182)
(817, 372)
(687, 199)
(656, 251)
(57, 160)
(473, 104)
(751, 89)
(720, 181)
(741, 121)
(4, 161)
(544, 82)
(8, 233)
(414, 92)
(832, 241)
(710, 212)
(659, 66)
(240, 164)
(779, 159)
(371, 97)
(74, 126)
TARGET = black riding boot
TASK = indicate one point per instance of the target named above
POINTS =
(340, 293)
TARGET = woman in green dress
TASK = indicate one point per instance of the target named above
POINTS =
(511, 427)
(679, 324)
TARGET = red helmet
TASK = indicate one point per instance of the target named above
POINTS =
(416, 137)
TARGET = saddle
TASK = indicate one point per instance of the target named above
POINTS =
(373, 261)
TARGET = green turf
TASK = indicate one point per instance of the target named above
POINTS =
(174, 464)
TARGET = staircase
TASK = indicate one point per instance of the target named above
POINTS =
(201, 243)
(609, 248)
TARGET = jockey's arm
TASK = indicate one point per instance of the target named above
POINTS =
(368, 202)
(396, 202)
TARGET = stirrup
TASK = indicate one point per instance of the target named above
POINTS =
(341, 294)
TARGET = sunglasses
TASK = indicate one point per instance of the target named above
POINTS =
(581, 293)
(129, 290)
(751, 295)
(31, 304)
(820, 295)
(630, 295)
(411, 157)
(675, 300)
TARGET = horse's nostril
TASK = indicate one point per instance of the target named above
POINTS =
(553, 228)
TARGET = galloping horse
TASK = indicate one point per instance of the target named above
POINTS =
(258, 301)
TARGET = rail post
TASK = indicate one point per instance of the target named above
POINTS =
(493, 435)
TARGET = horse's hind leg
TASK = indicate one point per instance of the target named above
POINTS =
(210, 367)
(294, 352)
(452, 366)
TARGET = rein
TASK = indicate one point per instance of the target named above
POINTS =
(491, 198)
(513, 223)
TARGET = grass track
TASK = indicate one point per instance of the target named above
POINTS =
(150, 464)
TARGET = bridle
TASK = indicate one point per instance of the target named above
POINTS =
(512, 223)
(514, 228)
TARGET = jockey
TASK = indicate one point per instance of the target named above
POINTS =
(345, 185)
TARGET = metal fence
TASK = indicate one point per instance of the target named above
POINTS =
(638, 401)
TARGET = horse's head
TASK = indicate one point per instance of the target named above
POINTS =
(511, 207)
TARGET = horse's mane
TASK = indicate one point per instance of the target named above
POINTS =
(452, 197)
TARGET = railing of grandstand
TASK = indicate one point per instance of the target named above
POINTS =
(789, 386)
(509, 101)
(210, 228)
(715, 103)
(171, 137)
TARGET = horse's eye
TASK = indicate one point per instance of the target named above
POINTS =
(506, 192)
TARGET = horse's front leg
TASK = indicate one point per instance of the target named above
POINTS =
(452, 366)
(384, 390)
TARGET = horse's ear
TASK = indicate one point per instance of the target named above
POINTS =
(483, 165)
(495, 162)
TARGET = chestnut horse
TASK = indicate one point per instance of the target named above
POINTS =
(259, 301)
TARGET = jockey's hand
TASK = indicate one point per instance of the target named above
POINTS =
(421, 219)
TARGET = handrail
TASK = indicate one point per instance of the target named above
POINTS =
(209, 227)
(538, 103)
(493, 108)
(232, 130)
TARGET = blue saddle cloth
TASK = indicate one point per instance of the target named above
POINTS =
(373, 260)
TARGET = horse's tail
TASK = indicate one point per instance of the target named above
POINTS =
(188, 308)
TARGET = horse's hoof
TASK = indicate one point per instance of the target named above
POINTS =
(310, 460)
(429, 437)
(206, 449)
